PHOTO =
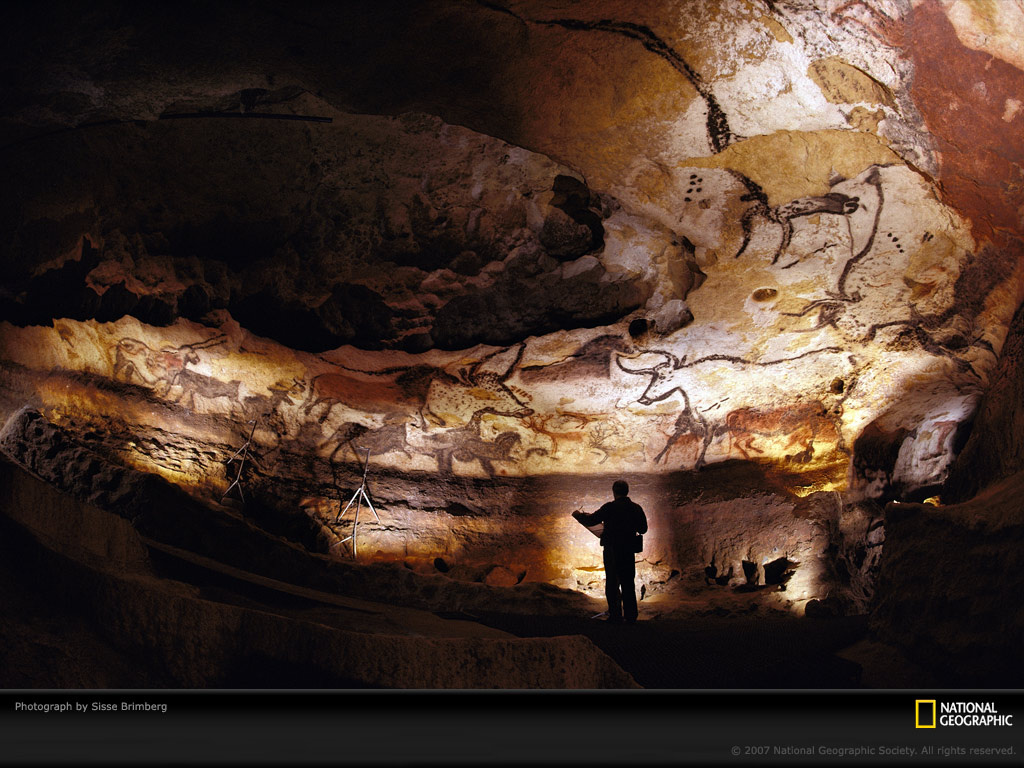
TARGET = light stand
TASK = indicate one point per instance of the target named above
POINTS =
(240, 456)
(358, 497)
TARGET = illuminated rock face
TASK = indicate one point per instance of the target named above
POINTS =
(811, 320)
(641, 241)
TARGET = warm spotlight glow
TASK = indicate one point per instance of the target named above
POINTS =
(825, 486)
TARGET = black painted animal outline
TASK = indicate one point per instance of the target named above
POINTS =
(467, 444)
(720, 136)
(132, 355)
(691, 421)
(194, 384)
(831, 308)
(281, 391)
(835, 203)
(360, 438)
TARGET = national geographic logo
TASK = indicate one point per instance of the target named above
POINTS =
(931, 713)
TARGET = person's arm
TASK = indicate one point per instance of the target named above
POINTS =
(641, 520)
(589, 518)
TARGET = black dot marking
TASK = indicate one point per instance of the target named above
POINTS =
(698, 189)
(686, 199)
(693, 175)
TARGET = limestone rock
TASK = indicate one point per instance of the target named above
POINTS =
(943, 596)
(506, 252)
(993, 449)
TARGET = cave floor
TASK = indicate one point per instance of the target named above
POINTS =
(44, 644)
(714, 652)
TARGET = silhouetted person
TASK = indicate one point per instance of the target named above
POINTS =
(623, 519)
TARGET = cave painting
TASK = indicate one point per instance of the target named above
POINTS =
(609, 438)
(718, 132)
(833, 283)
(170, 372)
(332, 389)
(167, 367)
(359, 438)
(863, 239)
(559, 428)
(670, 375)
(134, 359)
(441, 398)
(467, 445)
(799, 426)
(829, 280)
(193, 384)
(454, 400)
(783, 215)
(433, 411)
(270, 410)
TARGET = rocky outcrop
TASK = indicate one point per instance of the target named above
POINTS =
(398, 232)
(504, 252)
(994, 449)
(103, 566)
(950, 582)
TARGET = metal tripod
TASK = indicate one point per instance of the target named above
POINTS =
(240, 456)
(358, 497)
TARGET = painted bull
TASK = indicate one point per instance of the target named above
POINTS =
(134, 359)
(206, 387)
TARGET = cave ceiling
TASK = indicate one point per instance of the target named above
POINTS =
(514, 238)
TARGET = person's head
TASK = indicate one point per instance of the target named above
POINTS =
(620, 489)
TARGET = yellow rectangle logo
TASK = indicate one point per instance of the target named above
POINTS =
(925, 716)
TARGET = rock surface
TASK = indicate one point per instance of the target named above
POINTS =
(994, 449)
(949, 585)
(507, 252)
(201, 636)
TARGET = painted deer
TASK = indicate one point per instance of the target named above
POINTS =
(675, 375)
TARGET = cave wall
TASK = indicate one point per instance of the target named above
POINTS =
(772, 361)
(994, 449)
(730, 528)
(512, 251)
(948, 589)
(717, 226)
(95, 565)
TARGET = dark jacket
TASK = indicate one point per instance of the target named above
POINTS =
(622, 518)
